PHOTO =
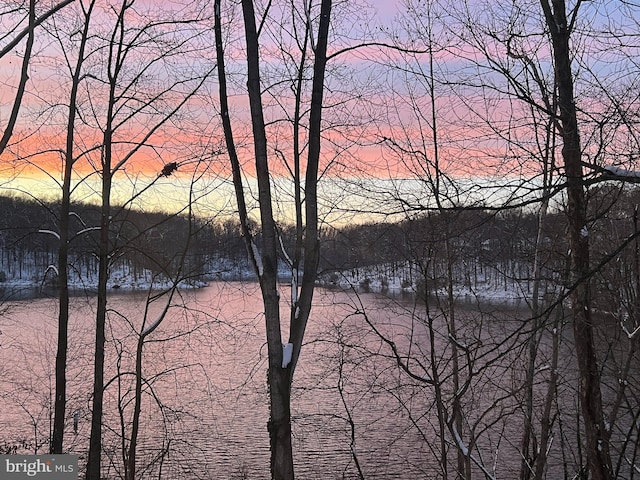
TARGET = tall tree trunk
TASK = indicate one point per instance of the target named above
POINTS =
(130, 461)
(104, 250)
(63, 314)
(301, 309)
(463, 461)
(95, 441)
(531, 460)
(63, 254)
(279, 424)
(280, 376)
(597, 445)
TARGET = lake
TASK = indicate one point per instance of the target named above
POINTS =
(205, 405)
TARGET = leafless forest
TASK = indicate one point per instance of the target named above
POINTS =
(461, 178)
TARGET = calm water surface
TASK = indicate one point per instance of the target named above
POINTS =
(205, 403)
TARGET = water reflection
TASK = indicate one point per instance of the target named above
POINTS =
(205, 402)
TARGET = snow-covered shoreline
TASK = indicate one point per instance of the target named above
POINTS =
(401, 278)
(392, 279)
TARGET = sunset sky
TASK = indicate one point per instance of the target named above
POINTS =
(378, 116)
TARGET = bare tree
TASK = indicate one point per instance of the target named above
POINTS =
(539, 92)
(127, 98)
(176, 274)
(64, 234)
(18, 34)
(597, 445)
(510, 77)
(283, 357)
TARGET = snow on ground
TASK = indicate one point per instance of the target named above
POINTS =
(393, 278)
(122, 277)
(396, 278)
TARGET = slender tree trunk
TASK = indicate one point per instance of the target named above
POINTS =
(63, 255)
(130, 464)
(597, 445)
(464, 463)
(546, 421)
(24, 77)
(301, 310)
(529, 455)
(280, 376)
(146, 330)
(437, 387)
(63, 322)
(530, 458)
(104, 250)
(95, 441)
(279, 424)
(63, 316)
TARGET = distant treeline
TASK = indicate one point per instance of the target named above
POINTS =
(141, 240)
(496, 249)
(477, 245)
